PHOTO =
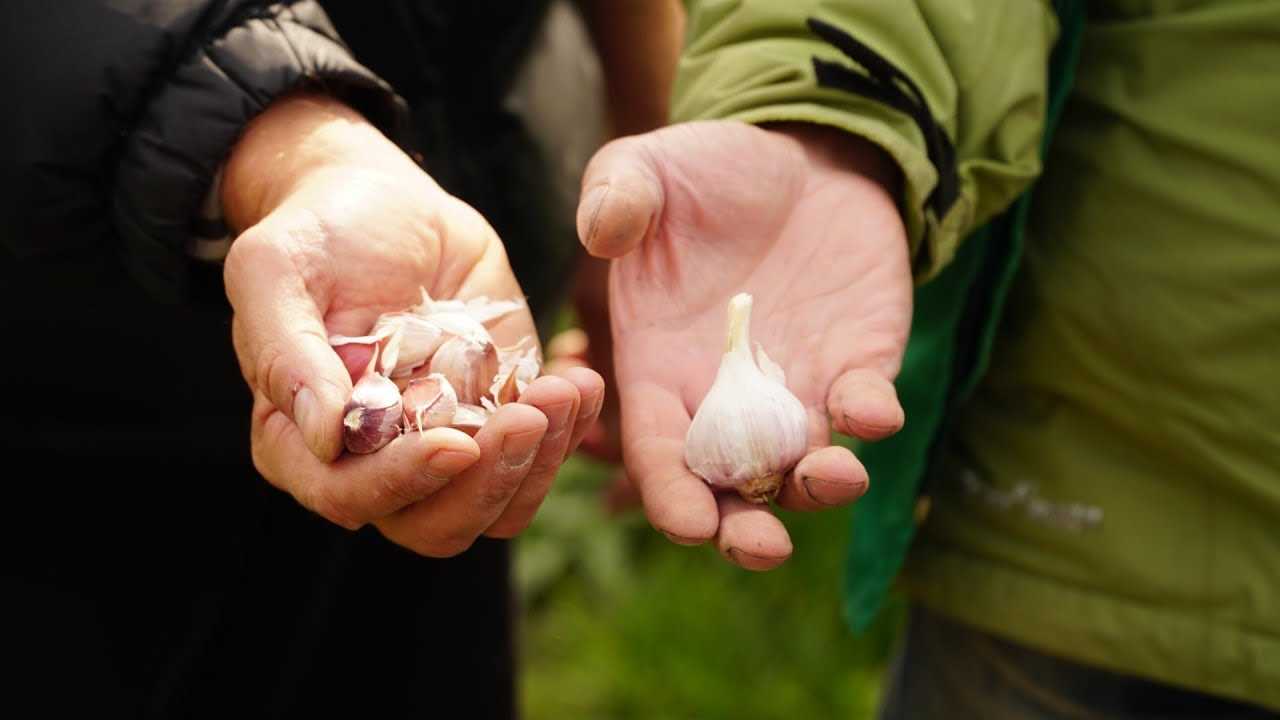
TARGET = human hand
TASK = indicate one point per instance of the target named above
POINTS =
(339, 227)
(804, 219)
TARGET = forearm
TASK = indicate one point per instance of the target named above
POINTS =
(638, 42)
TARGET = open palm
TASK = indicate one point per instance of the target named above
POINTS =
(801, 218)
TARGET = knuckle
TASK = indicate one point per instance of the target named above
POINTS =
(499, 489)
(272, 372)
(508, 528)
(400, 488)
(323, 501)
(247, 252)
(449, 544)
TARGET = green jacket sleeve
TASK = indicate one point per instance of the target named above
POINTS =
(954, 90)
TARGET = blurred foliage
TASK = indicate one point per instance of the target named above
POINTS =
(620, 623)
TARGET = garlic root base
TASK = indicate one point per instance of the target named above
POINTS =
(761, 491)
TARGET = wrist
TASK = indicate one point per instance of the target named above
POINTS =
(296, 137)
(834, 149)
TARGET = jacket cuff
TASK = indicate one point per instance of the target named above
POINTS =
(955, 93)
(170, 159)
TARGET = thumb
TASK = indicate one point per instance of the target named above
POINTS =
(622, 197)
(281, 341)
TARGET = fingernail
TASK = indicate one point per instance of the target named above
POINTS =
(518, 450)
(447, 463)
(817, 490)
(592, 202)
(305, 410)
(681, 540)
(748, 561)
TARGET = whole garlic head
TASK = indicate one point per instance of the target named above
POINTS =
(749, 430)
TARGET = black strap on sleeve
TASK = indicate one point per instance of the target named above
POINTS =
(884, 82)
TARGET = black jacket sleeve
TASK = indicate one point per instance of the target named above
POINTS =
(121, 111)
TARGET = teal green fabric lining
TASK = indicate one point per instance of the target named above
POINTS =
(956, 318)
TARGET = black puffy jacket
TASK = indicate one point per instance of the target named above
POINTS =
(147, 568)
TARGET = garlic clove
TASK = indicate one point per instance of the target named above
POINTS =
(460, 324)
(469, 418)
(429, 402)
(749, 430)
(518, 367)
(468, 364)
(371, 418)
(420, 338)
(506, 388)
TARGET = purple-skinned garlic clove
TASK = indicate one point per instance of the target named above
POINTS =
(372, 417)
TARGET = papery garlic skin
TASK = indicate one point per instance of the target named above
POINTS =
(440, 355)
(429, 402)
(749, 430)
(469, 364)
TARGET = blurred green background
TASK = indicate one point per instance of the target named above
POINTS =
(620, 623)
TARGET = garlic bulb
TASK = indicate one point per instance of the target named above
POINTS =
(749, 430)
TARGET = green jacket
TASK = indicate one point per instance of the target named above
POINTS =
(1090, 394)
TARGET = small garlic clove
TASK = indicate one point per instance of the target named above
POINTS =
(460, 324)
(506, 388)
(391, 351)
(420, 338)
(469, 366)
(749, 430)
(518, 367)
(469, 418)
(429, 402)
(371, 418)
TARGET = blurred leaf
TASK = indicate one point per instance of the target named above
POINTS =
(623, 624)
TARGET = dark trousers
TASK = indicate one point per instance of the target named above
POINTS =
(161, 589)
(946, 670)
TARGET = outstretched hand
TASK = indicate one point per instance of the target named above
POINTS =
(803, 218)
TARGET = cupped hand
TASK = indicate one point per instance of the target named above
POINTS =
(803, 218)
(340, 226)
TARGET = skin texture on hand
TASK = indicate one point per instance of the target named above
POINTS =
(804, 219)
(340, 226)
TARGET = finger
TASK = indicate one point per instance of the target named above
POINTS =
(559, 401)
(281, 340)
(355, 357)
(621, 197)
(571, 343)
(591, 390)
(678, 503)
(864, 404)
(750, 536)
(620, 495)
(825, 478)
(357, 489)
(447, 523)
(558, 366)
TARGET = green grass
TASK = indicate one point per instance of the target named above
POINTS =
(620, 623)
